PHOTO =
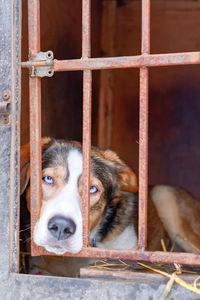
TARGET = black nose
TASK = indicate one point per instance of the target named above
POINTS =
(61, 228)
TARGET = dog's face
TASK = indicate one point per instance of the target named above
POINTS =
(112, 184)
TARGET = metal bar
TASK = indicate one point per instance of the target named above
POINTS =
(42, 63)
(86, 35)
(154, 257)
(87, 87)
(145, 26)
(35, 117)
(151, 60)
(87, 92)
(143, 130)
(143, 159)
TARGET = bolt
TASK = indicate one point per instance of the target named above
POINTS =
(50, 54)
(6, 119)
(6, 95)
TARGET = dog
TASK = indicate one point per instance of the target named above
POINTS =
(172, 213)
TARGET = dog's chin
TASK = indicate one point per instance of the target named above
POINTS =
(56, 250)
(60, 251)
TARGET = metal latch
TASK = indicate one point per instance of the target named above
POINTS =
(5, 107)
(40, 64)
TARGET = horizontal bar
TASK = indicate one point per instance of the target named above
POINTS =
(41, 63)
(145, 60)
(150, 256)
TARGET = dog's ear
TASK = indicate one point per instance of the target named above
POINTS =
(126, 178)
(25, 163)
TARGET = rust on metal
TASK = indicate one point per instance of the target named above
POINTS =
(28, 64)
(40, 65)
(122, 62)
(4, 107)
(151, 256)
(143, 130)
(88, 64)
(143, 159)
(87, 93)
(86, 34)
(87, 88)
(145, 26)
(35, 118)
(138, 61)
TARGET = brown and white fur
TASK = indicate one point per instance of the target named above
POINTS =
(172, 213)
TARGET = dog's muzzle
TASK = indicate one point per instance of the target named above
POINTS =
(61, 228)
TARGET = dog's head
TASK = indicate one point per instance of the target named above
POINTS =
(59, 228)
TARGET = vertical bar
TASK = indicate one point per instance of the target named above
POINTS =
(86, 35)
(87, 92)
(143, 158)
(145, 27)
(35, 117)
(143, 130)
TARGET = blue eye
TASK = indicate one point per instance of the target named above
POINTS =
(93, 189)
(48, 179)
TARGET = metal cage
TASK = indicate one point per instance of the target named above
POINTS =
(87, 64)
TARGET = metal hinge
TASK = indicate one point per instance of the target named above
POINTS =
(5, 108)
(40, 64)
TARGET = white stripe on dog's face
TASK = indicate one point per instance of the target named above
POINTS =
(66, 204)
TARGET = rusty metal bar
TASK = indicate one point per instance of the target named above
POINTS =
(138, 61)
(143, 130)
(86, 35)
(29, 64)
(154, 257)
(143, 159)
(35, 117)
(87, 87)
(87, 92)
(145, 27)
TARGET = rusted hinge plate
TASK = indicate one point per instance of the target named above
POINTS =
(5, 108)
(40, 64)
